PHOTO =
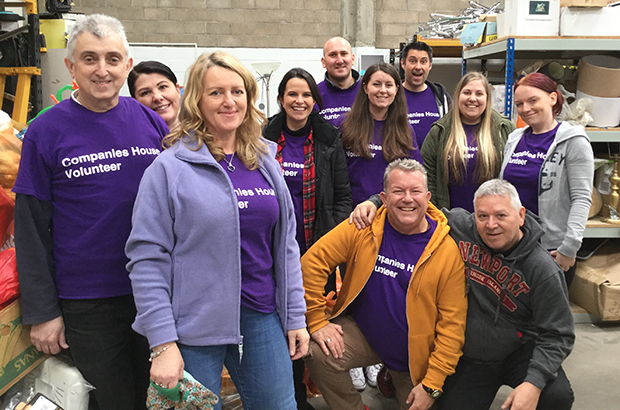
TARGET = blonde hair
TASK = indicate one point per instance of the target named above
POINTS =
(455, 154)
(193, 126)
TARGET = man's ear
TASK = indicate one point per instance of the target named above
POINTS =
(71, 67)
(129, 65)
(383, 197)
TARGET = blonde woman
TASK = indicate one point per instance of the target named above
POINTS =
(464, 148)
(213, 260)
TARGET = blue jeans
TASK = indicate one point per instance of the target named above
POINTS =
(263, 375)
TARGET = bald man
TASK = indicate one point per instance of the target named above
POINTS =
(341, 81)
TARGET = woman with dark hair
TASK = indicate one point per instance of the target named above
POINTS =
(552, 165)
(315, 169)
(376, 130)
(217, 278)
(154, 85)
(312, 158)
(465, 147)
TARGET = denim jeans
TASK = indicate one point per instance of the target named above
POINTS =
(263, 374)
(108, 352)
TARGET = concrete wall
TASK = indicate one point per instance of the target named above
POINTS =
(177, 31)
(271, 23)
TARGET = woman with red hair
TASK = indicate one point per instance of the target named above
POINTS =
(552, 165)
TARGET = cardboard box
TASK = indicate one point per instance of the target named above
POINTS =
(529, 17)
(599, 76)
(584, 22)
(485, 18)
(477, 33)
(596, 286)
(17, 355)
(583, 3)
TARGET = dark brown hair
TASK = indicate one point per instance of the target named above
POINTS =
(358, 126)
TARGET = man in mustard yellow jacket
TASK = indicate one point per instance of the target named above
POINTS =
(402, 300)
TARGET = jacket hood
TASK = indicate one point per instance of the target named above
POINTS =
(185, 150)
(435, 214)
(532, 233)
(445, 122)
(565, 132)
(356, 79)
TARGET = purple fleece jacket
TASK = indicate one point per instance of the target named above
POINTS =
(184, 251)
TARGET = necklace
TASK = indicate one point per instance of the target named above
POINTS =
(230, 166)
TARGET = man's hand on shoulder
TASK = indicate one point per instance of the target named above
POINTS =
(363, 214)
(419, 398)
(524, 397)
(329, 338)
(49, 337)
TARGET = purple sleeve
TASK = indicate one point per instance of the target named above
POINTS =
(34, 176)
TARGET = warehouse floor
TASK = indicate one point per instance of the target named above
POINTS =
(593, 369)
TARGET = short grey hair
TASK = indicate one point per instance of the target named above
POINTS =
(404, 164)
(499, 187)
(100, 26)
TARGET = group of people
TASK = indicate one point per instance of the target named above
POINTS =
(200, 231)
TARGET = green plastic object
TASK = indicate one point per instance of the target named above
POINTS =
(58, 97)
(173, 394)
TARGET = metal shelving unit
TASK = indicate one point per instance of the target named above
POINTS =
(29, 87)
(548, 48)
(603, 134)
(551, 48)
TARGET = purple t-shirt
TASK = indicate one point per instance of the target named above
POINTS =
(293, 160)
(336, 101)
(523, 168)
(258, 214)
(366, 175)
(381, 307)
(89, 165)
(422, 112)
(462, 195)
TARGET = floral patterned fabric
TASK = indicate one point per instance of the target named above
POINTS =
(188, 394)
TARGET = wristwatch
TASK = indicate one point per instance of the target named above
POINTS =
(434, 393)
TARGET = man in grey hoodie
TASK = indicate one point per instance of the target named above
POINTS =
(519, 323)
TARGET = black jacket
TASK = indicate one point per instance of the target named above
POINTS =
(442, 98)
(332, 190)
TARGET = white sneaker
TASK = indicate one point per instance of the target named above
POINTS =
(358, 378)
(371, 374)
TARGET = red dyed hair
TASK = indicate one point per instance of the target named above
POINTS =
(542, 82)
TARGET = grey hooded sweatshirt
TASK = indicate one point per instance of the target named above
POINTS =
(514, 299)
(564, 186)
